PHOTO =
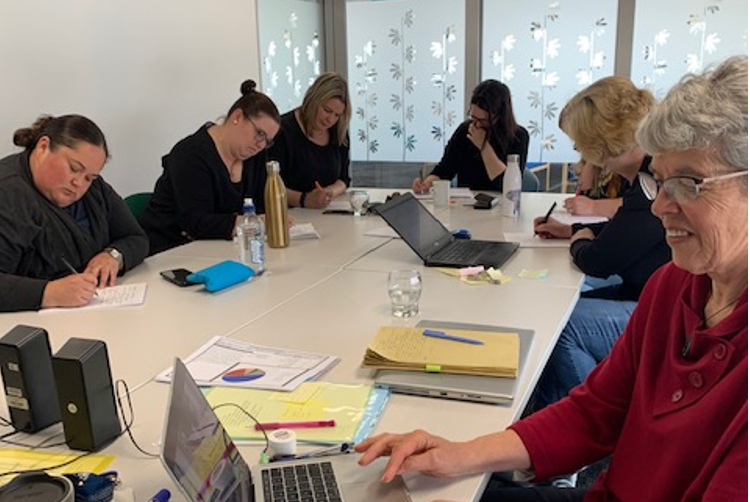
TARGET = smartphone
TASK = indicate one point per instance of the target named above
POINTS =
(178, 276)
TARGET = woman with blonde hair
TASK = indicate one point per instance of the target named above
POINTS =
(602, 120)
(313, 146)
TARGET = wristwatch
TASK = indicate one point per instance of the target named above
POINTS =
(116, 255)
(302, 198)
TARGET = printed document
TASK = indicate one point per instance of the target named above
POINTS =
(223, 362)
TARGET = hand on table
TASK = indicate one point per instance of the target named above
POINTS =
(104, 268)
(552, 229)
(420, 186)
(75, 290)
(416, 451)
(580, 205)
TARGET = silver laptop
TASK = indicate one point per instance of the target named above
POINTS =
(434, 243)
(204, 462)
(478, 389)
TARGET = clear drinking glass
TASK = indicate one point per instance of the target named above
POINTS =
(404, 288)
(359, 199)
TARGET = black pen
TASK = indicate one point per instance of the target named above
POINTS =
(75, 272)
(549, 213)
(546, 216)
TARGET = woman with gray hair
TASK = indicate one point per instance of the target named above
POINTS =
(670, 402)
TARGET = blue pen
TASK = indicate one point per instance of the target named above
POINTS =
(162, 495)
(452, 338)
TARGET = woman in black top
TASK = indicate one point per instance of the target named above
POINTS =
(602, 120)
(208, 174)
(478, 149)
(313, 147)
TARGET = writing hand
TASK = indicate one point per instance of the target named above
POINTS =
(75, 290)
(552, 229)
(319, 197)
(419, 186)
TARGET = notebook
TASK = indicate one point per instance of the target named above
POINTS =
(408, 349)
(460, 387)
(204, 462)
(434, 243)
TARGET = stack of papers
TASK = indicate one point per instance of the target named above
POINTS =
(231, 363)
(303, 231)
(569, 219)
(408, 349)
(455, 193)
(354, 407)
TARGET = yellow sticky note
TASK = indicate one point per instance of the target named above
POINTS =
(18, 459)
(534, 274)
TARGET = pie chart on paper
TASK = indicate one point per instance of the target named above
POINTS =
(243, 375)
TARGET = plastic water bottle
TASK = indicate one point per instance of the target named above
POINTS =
(512, 187)
(251, 235)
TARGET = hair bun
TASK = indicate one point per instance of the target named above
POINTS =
(27, 137)
(247, 87)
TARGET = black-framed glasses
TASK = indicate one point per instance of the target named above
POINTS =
(680, 188)
(261, 135)
(482, 122)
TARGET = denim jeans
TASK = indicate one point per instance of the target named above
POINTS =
(592, 330)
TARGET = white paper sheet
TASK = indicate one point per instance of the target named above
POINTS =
(529, 240)
(123, 295)
(569, 219)
(303, 231)
(456, 193)
(270, 368)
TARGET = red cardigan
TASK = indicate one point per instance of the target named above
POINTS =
(676, 426)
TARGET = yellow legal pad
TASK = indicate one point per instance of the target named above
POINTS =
(408, 349)
(17, 459)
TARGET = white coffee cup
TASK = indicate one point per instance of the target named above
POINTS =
(441, 193)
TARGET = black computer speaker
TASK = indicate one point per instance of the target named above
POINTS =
(26, 366)
(87, 400)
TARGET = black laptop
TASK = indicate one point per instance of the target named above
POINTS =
(434, 243)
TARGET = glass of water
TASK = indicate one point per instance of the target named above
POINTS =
(359, 199)
(404, 288)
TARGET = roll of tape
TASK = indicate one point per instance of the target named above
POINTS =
(283, 442)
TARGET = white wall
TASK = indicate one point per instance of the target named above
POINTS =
(149, 72)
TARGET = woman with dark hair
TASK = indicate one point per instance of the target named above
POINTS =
(478, 149)
(313, 147)
(208, 175)
(57, 214)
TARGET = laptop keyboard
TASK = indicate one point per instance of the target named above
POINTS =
(461, 251)
(313, 482)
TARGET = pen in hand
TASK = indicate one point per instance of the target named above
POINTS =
(546, 216)
(75, 272)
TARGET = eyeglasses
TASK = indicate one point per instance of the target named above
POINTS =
(681, 189)
(261, 135)
(482, 122)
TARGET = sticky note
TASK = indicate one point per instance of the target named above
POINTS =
(534, 274)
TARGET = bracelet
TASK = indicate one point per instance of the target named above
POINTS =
(302, 198)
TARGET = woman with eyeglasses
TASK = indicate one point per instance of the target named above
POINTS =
(669, 404)
(602, 120)
(480, 146)
(313, 146)
(208, 174)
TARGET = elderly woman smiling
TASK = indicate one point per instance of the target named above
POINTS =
(670, 402)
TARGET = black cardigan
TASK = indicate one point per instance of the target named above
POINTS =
(303, 162)
(464, 159)
(195, 198)
(632, 244)
(36, 235)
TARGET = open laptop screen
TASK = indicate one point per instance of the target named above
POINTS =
(196, 450)
(415, 224)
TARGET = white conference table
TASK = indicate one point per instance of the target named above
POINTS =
(325, 296)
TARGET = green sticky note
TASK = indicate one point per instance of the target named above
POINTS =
(432, 368)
